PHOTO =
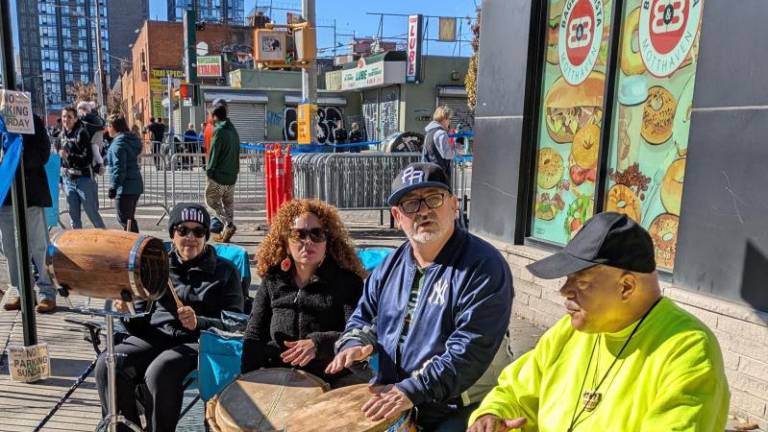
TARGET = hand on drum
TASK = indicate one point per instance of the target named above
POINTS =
(299, 353)
(387, 402)
(347, 357)
(187, 317)
(491, 423)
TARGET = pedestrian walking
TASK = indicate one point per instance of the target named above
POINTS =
(127, 184)
(437, 147)
(74, 147)
(355, 135)
(37, 150)
(340, 136)
(156, 131)
(95, 127)
(221, 170)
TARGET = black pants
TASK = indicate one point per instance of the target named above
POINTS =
(126, 210)
(162, 368)
(157, 147)
(443, 418)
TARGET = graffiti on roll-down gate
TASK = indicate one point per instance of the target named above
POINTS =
(326, 124)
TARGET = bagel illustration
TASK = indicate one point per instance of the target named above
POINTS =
(672, 186)
(550, 168)
(631, 61)
(622, 199)
(663, 231)
(658, 116)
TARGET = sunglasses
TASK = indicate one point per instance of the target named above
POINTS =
(431, 201)
(198, 232)
(317, 235)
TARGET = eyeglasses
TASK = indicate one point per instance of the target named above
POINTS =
(317, 235)
(196, 231)
(431, 201)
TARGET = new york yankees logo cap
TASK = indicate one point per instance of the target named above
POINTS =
(415, 176)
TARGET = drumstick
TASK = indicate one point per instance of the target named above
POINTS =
(179, 304)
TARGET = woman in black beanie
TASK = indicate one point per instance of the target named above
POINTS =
(162, 349)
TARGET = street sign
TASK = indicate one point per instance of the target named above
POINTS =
(29, 363)
(413, 62)
(304, 115)
(209, 66)
(16, 108)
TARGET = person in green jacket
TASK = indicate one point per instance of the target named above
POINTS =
(624, 358)
(123, 166)
(222, 169)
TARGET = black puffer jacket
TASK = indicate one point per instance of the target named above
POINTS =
(208, 284)
(37, 150)
(77, 143)
(283, 312)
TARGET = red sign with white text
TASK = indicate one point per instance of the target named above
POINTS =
(413, 62)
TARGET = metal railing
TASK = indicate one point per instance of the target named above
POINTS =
(359, 181)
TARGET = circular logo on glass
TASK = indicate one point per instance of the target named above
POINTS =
(581, 32)
(666, 32)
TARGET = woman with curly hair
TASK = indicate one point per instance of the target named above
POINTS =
(312, 281)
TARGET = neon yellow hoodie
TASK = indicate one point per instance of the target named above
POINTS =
(669, 378)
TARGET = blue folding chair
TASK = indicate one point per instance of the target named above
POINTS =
(371, 257)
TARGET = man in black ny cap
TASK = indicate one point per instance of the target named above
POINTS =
(436, 311)
(624, 358)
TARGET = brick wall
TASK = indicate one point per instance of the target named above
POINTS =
(741, 331)
(161, 45)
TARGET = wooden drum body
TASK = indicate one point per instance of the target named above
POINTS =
(341, 410)
(108, 264)
(262, 400)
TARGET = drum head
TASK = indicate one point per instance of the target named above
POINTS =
(261, 400)
(338, 410)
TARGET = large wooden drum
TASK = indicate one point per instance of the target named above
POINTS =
(108, 264)
(341, 410)
(262, 400)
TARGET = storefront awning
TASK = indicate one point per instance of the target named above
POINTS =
(321, 100)
(237, 97)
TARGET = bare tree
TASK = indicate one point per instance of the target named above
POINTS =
(470, 80)
(81, 91)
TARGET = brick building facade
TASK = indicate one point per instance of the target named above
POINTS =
(159, 51)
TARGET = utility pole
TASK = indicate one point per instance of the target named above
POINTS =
(102, 78)
(309, 74)
(190, 58)
(18, 195)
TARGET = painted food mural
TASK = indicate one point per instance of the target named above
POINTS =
(571, 118)
(649, 134)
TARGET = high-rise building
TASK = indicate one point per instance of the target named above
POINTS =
(220, 11)
(125, 21)
(58, 44)
(58, 47)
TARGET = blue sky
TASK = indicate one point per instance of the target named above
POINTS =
(351, 17)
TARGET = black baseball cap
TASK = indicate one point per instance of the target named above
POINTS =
(417, 175)
(611, 239)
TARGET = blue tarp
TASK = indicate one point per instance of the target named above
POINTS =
(11, 157)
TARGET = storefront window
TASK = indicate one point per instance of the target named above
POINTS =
(652, 112)
(571, 117)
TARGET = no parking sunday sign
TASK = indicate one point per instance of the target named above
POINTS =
(16, 108)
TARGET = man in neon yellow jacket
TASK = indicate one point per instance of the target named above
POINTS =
(623, 359)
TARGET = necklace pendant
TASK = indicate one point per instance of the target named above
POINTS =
(591, 399)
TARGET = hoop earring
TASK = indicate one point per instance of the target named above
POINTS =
(286, 264)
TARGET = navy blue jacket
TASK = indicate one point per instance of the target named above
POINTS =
(123, 162)
(460, 320)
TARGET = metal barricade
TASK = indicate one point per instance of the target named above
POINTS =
(188, 180)
(461, 179)
(349, 181)
(154, 176)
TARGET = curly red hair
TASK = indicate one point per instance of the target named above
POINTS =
(338, 244)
